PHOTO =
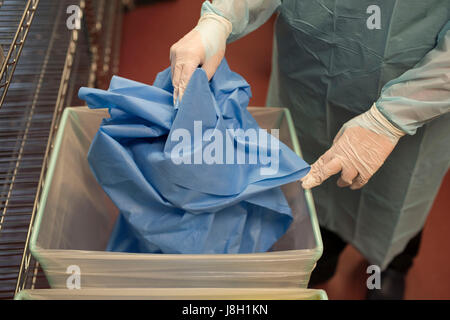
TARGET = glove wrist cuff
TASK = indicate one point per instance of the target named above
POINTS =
(385, 123)
(211, 20)
(214, 31)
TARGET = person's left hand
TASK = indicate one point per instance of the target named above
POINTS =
(359, 150)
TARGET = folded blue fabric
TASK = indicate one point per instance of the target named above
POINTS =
(179, 188)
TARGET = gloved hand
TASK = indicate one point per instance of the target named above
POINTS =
(359, 149)
(203, 46)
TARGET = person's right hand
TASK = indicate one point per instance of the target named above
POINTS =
(203, 46)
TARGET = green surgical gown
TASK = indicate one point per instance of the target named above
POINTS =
(333, 59)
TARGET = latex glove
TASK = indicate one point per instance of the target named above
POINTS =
(358, 151)
(203, 46)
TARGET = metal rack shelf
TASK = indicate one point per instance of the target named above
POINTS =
(45, 65)
(12, 10)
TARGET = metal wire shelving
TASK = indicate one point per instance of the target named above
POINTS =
(10, 62)
(45, 64)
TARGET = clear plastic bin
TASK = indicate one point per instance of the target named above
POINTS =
(75, 218)
(173, 294)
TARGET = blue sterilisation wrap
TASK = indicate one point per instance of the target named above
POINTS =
(175, 175)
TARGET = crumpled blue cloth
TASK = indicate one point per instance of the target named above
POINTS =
(187, 208)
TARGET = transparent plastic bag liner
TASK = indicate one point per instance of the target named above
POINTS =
(173, 294)
(201, 178)
(75, 219)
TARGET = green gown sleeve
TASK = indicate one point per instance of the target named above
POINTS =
(422, 93)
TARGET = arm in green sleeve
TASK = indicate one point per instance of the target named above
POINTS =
(422, 93)
(244, 15)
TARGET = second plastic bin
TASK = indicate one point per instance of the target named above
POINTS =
(173, 294)
(75, 219)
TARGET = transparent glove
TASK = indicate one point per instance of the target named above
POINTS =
(203, 46)
(358, 151)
